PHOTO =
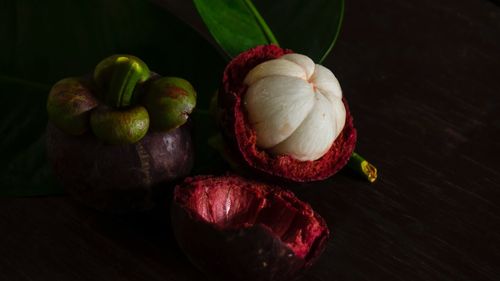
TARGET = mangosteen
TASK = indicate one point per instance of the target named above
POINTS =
(233, 228)
(284, 116)
(114, 138)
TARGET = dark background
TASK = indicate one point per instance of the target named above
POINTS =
(422, 79)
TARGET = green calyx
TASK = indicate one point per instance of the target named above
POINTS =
(112, 105)
(117, 77)
(120, 126)
(169, 101)
(69, 104)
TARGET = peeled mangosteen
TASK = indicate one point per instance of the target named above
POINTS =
(233, 228)
(114, 138)
(284, 116)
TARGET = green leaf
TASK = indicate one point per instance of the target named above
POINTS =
(309, 27)
(236, 25)
(44, 41)
(23, 167)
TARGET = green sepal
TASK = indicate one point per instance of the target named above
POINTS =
(69, 104)
(120, 126)
(117, 77)
(169, 101)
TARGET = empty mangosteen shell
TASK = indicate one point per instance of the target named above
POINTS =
(246, 253)
(241, 137)
(119, 178)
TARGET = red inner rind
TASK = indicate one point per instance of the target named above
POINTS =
(239, 131)
(232, 202)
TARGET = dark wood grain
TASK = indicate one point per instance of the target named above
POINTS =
(423, 82)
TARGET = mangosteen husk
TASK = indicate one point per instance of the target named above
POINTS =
(240, 137)
(233, 228)
(119, 178)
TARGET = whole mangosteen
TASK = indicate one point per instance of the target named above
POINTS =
(284, 116)
(238, 229)
(113, 138)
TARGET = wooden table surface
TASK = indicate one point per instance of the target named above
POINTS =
(422, 78)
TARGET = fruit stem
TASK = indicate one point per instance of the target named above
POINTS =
(265, 28)
(359, 164)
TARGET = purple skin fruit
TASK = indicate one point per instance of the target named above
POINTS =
(106, 156)
(119, 178)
